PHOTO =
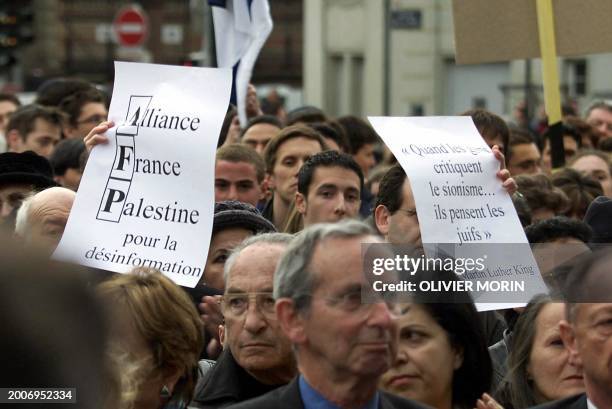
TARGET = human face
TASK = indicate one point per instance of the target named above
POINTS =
(347, 339)
(254, 336)
(71, 179)
(365, 158)
(42, 139)
(290, 157)
(569, 148)
(221, 245)
(596, 168)
(525, 160)
(237, 181)
(333, 194)
(425, 362)
(258, 136)
(92, 113)
(6, 109)
(403, 224)
(11, 197)
(601, 120)
(554, 375)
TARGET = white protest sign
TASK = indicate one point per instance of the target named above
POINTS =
(460, 201)
(147, 197)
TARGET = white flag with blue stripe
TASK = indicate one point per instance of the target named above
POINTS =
(241, 29)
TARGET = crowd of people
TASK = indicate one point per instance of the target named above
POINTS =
(277, 319)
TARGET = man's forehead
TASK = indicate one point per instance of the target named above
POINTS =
(336, 175)
(262, 129)
(247, 169)
(296, 146)
(255, 265)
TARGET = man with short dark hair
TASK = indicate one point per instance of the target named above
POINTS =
(342, 344)
(284, 156)
(599, 116)
(491, 127)
(522, 155)
(329, 188)
(258, 132)
(85, 109)
(362, 139)
(66, 162)
(239, 175)
(257, 356)
(34, 128)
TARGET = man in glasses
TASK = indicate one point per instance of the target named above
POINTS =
(257, 356)
(342, 344)
(85, 109)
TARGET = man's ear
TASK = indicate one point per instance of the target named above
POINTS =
(263, 186)
(14, 142)
(300, 203)
(568, 337)
(221, 330)
(381, 217)
(290, 321)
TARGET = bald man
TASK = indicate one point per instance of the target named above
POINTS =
(42, 217)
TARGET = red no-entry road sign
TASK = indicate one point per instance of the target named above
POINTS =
(131, 26)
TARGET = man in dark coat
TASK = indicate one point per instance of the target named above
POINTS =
(257, 356)
(342, 344)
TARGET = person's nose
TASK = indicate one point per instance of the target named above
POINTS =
(340, 208)
(232, 193)
(254, 321)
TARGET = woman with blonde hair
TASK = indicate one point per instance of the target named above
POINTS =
(156, 338)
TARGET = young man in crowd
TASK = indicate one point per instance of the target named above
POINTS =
(342, 345)
(522, 155)
(257, 356)
(284, 156)
(66, 161)
(239, 175)
(259, 131)
(491, 127)
(34, 128)
(329, 188)
(84, 109)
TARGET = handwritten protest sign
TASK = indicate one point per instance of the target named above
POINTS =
(459, 200)
(147, 197)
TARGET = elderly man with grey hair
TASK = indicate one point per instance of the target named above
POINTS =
(42, 217)
(257, 356)
(342, 344)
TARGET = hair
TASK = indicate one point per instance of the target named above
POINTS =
(517, 390)
(556, 228)
(581, 190)
(597, 104)
(592, 152)
(280, 239)
(295, 220)
(489, 125)
(390, 189)
(465, 332)
(4, 97)
(241, 153)
(582, 128)
(291, 132)
(67, 155)
(517, 137)
(326, 159)
(53, 91)
(261, 119)
(293, 278)
(73, 103)
(539, 193)
(22, 222)
(227, 122)
(165, 318)
(605, 145)
(358, 133)
(327, 130)
(522, 209)
(23, 120)
(306, 114)
(376, 175)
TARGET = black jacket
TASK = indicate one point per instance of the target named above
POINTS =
(289, 397)
(227, 383)
(573, 402)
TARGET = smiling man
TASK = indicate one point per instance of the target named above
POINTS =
(342, 344)
(329, 188)
(257, 356)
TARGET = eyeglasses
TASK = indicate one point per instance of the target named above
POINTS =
(356, 302)
(409, 212)
(237, 304)
(94, 119)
